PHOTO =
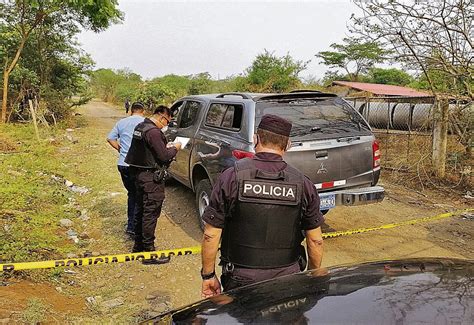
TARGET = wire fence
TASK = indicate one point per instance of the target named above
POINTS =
(404, 127)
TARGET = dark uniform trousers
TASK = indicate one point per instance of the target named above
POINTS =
(149, 200)
(240, 276)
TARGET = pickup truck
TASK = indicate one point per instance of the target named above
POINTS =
(332, 143)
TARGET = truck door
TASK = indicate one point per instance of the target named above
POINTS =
(186, 127)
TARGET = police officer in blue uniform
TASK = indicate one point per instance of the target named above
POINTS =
(149, 156)
(260, 208)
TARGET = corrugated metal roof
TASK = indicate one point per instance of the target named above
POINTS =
(385, 90)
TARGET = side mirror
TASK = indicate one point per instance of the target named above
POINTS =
(172, 124)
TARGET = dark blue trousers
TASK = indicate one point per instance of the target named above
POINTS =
(129, 183)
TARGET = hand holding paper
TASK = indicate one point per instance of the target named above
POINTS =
(184, 141)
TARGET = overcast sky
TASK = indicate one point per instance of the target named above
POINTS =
(222, 38)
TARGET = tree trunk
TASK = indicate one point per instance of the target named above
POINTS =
(6, 77)
(440, 137)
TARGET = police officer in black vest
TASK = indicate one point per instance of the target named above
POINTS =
(260, 208)
(149, 156)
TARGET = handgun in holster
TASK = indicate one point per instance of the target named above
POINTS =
(302, 259)
(161, 173)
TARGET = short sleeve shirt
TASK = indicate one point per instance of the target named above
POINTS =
(123, 132)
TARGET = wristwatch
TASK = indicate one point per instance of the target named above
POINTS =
(208, 276)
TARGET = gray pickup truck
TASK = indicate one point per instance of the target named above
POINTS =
(332, 144)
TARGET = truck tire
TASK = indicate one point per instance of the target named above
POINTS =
(203, 195)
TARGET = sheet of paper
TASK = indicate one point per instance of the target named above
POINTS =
(184, 141)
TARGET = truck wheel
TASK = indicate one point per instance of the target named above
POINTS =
(203, 196)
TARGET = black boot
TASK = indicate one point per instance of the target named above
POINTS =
(137, 248)
(154, 261)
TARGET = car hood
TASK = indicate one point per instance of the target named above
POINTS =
(387, 292)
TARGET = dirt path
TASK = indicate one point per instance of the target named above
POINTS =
(130, 292)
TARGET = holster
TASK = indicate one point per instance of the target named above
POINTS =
(160, 174)
(302, 260)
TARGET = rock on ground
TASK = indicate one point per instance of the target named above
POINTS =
(66, 223)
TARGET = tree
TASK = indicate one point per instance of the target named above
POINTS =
(178, 84)
(425, 36)
(20, 18)
(128, 81)
(388, 76)
(200, 84)
(105, 83)
(153, 93)
(355, 56)
(53, 67)
(269, 73)
(330, 76)
(433, 37)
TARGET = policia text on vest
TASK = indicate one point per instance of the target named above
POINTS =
(258, 189)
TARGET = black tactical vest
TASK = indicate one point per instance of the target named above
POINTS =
(139, 154)
(264, 230)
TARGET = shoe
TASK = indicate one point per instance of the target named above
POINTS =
(131, 234)
(137, 248)
(156, 261)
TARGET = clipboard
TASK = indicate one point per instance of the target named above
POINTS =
(184, 141)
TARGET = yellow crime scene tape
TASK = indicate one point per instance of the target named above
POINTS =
(121, 258)
(108, 259)
(397, 224)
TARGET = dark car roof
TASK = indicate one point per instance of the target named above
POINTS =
(265, 96)
(388, 292)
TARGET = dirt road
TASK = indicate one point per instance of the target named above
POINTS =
(130, 292)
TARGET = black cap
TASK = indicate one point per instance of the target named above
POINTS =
(275, 124)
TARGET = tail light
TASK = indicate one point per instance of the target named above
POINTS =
(376, 153)
(240, 154)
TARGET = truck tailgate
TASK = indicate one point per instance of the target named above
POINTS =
(333, 163)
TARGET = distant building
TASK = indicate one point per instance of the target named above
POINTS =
(378, 90)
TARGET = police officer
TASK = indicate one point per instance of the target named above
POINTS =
(149, 156)
(127, 106)
(260, 208)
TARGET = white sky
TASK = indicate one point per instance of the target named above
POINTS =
(222, 38)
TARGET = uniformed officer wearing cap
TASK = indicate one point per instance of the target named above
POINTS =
(260, 208)
(148, 155)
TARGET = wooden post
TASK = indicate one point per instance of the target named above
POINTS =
(33, 116)
(440, 136)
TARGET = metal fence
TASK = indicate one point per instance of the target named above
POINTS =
(404, 127)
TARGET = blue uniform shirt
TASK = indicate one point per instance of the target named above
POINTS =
(123, 131)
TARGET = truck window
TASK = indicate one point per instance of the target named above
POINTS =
(188, 114)
(315, 118)
(227, 116)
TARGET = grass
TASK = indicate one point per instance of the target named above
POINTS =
(31, 202)
(410, 156)
(35, 311)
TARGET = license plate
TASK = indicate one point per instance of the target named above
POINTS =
(327, 201)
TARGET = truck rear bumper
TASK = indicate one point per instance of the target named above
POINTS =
(357, 196)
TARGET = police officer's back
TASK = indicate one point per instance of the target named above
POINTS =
(260, 208)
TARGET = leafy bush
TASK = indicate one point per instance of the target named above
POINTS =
(153, 94)
(269, 73)
(388, 76)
